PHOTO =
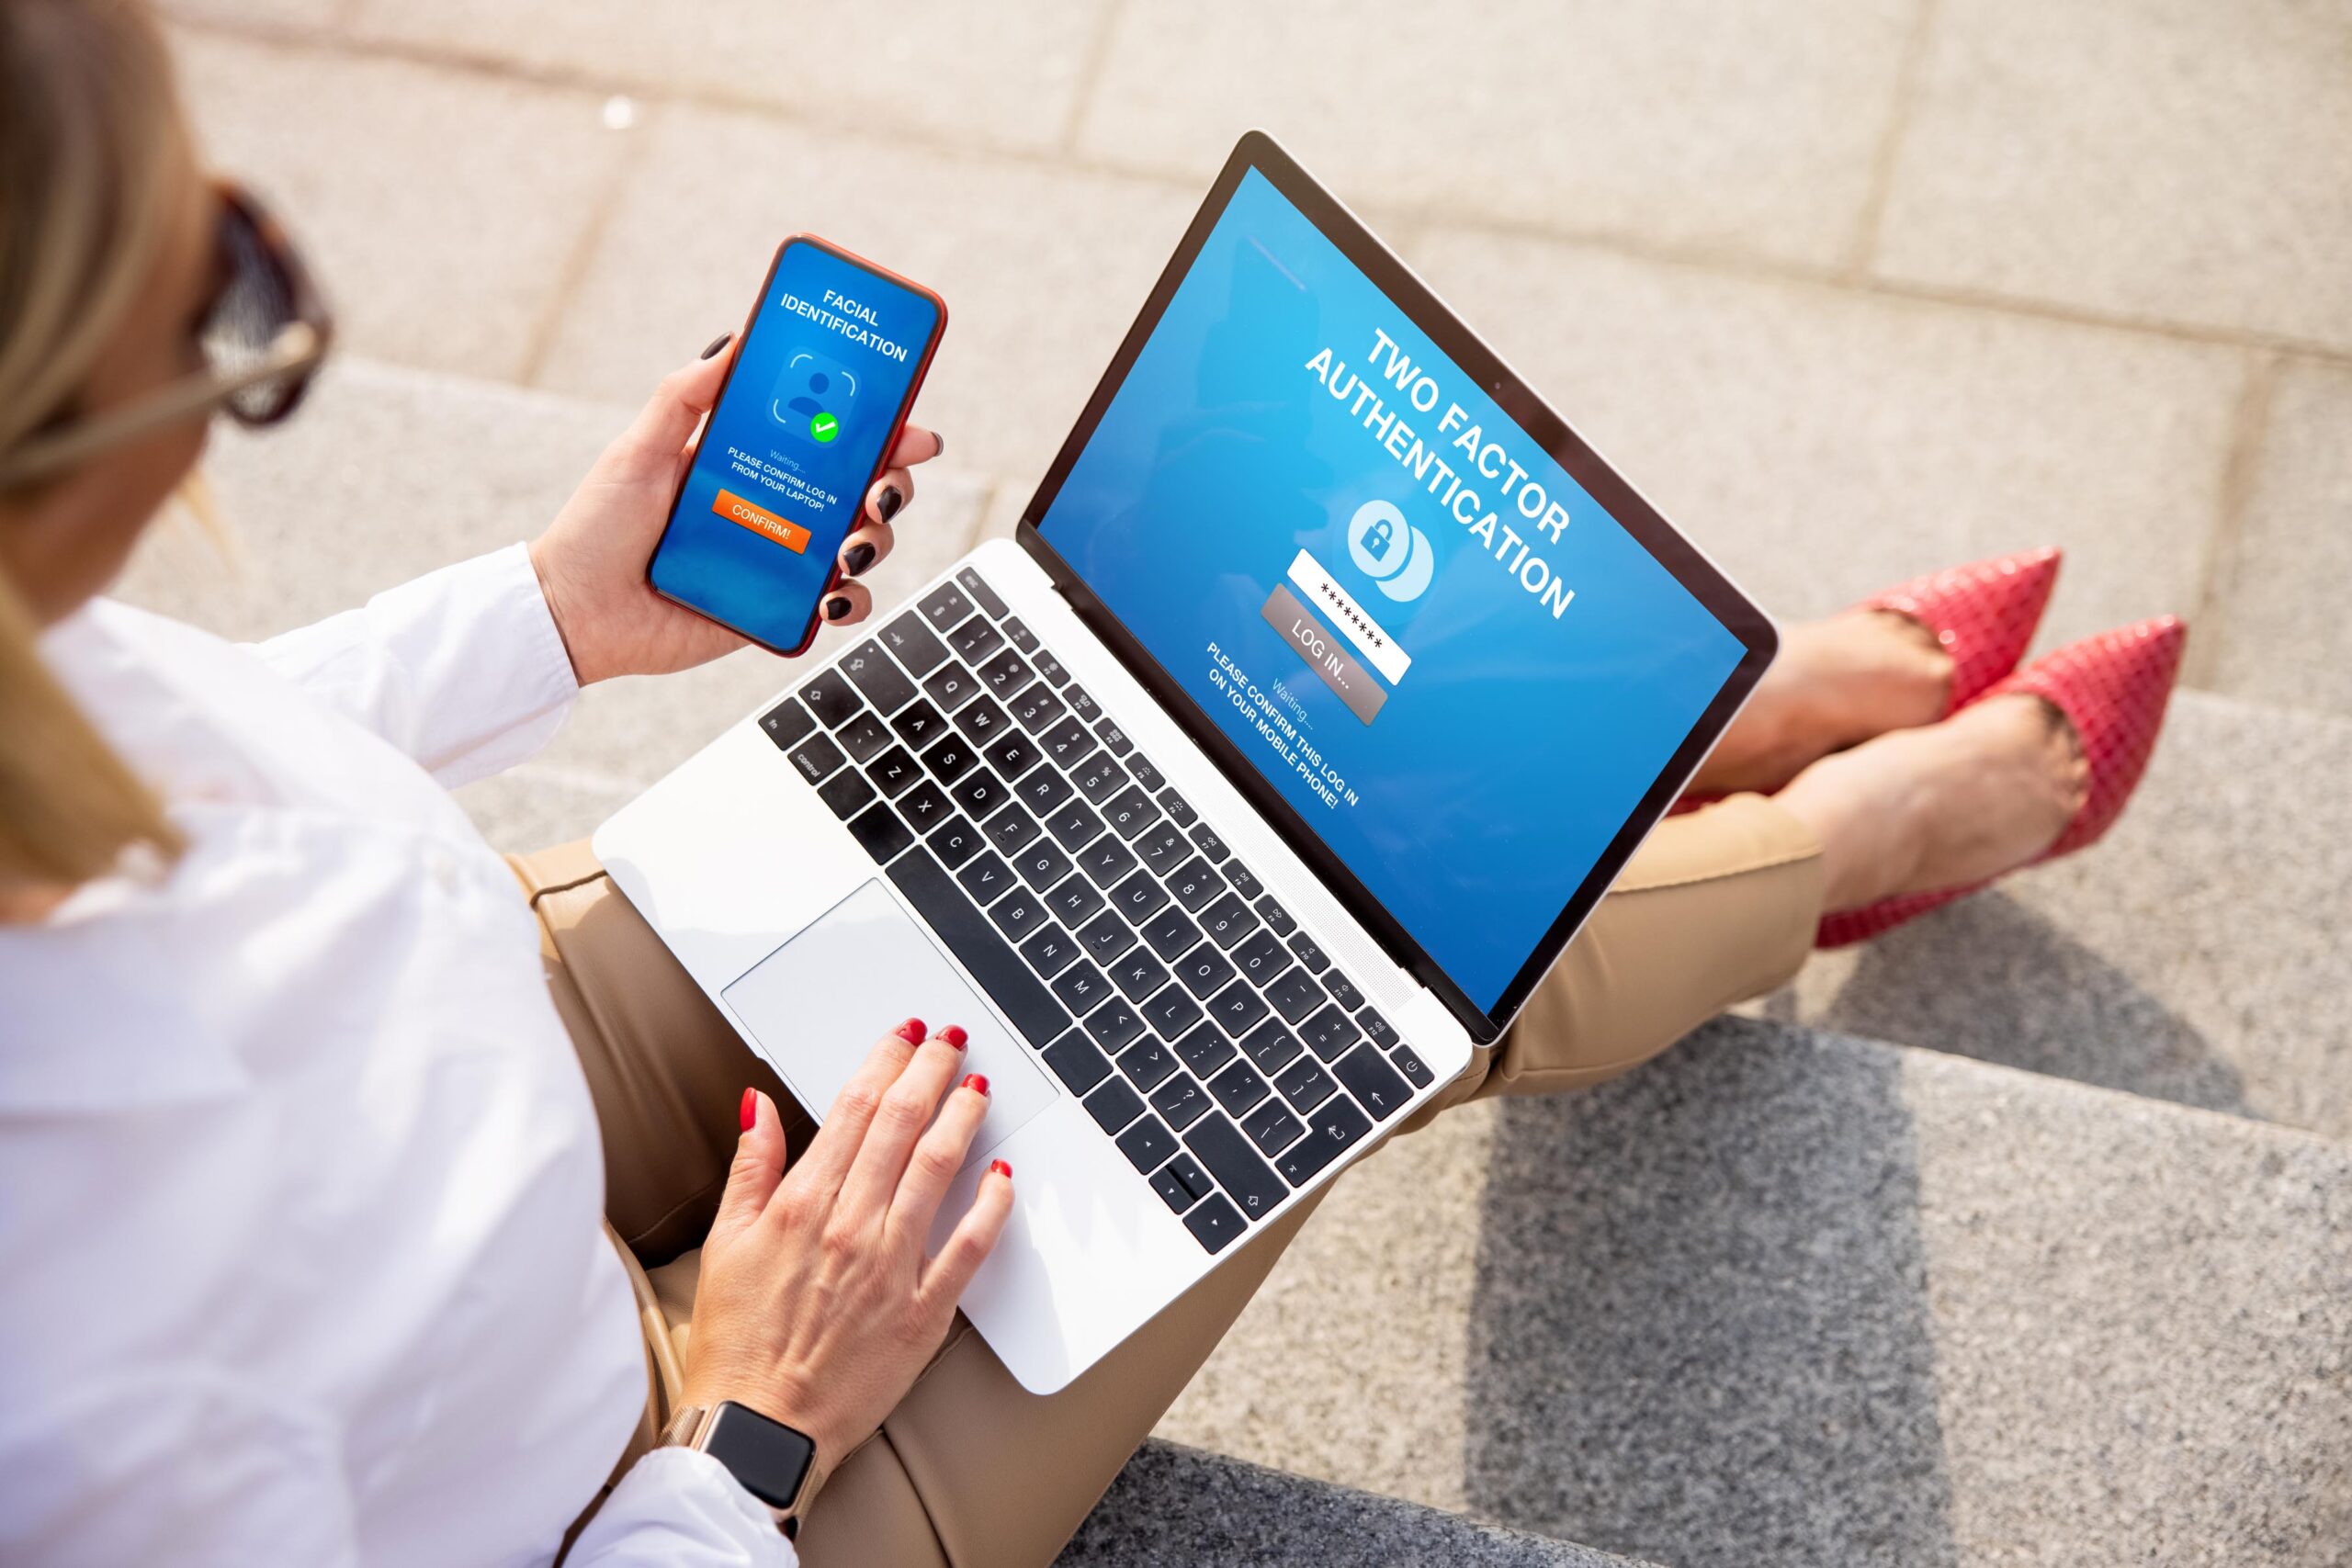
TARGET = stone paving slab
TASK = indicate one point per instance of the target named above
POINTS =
(1178, 1507)
(1043, 270)
(1823, 444)
(997, 76)
(1749, 130)
(441, 211)
(2168, 159)
(2283, 584)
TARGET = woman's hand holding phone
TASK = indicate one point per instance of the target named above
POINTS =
(591, 559)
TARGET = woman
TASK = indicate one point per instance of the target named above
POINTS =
(302, 1176)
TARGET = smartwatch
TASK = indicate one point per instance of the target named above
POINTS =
(771, 1461)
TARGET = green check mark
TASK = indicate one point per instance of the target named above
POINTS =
(824, 427)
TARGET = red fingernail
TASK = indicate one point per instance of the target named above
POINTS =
(976, 1083)
(751, 1112)
(912, 1031)
(953, 1034)
(1001, 1168)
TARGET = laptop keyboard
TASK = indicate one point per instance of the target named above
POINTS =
(1209, 1036)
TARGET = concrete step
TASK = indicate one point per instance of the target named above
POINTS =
(1179, 1508)
(1786, 1297)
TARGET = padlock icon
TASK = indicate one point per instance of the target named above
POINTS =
(1377, 538)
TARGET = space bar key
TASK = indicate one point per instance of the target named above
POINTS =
(975, 943)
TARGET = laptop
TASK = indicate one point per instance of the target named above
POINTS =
(1239, 800)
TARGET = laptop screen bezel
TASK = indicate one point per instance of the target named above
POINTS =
(1405, 291)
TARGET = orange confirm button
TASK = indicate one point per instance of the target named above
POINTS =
(761, 521)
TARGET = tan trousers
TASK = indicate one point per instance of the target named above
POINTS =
(971, 1470)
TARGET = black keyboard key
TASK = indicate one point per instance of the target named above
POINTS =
(956, 840)
(1237, 1008)
(1050, 950)
(1416, 1071)
(951, 759)
(1075, 900)
(1008, 829)
(1068, 742)
(1375, 1084)
(1170, 1009)
(1228, 920)
(1304, 1084)
(1106, 936)
(979, 792)
(1105, 861)
(1006, 673)
(1139, 974)
(1171, 932)
(951, 686)
(1138, 898)
(1271, 1048)
(832, 698)
(1214, 1223)
(1182, 1101)
(1295, 994)
(920, 725)
(1328, 1034)
(1245, 882)
(880, 833)
(1330, 1132)
(1278, 920)
(1205, 1050)
(845, 793)
(983, 721)
(1309, 953)
(1344, 992)
(1180, 810)
(943, 606)
(1114, 1104)
(1195, 883)
(1040, 864)
(1146, 1061)
(816, 758)
(924, 806)
(1114, 1026)
(1271, 1127)
(1238, 1088)
(1248, 1180)
(1083, 704)
(1081, 987)
(1209, 843)
(1017, 632)
(985, 597)
(873, 675)
(1146, 1145)
(986, 879)
(1203, 970)
(1049, 666)
(1100, 777)
(1012, 755)
(1038, 709)
(1170, 1190)
(975, 944)
(911, 640)
(1115, 739)
(1163, 848)
(1187, 1169)
(1075, 824)
(1017, 914)
(1076, 1062)
(1131, 812)
(1261, 958)
(788, 724)
(1146, 775)
(976, 639)
(1043, 790)
(894, 773)
(1377, 1029)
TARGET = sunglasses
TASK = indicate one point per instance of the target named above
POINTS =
(262, 339)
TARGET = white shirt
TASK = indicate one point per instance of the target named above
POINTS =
(299, 1178)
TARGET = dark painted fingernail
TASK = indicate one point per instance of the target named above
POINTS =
(721, 340)
(858, 558)
(837, 607)
(938, 444)
(887, 504)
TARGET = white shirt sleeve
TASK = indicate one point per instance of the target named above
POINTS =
(462, 669)
(679, 1508)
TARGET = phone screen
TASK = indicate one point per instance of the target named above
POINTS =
(797, 434)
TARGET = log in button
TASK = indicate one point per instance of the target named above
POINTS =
(1308, 637)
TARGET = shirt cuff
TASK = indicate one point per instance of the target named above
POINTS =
(680, 1507)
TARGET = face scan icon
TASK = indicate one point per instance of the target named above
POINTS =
(813, 397)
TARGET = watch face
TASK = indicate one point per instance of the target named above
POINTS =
(769, 1458)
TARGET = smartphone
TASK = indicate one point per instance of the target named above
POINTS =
(828, 365)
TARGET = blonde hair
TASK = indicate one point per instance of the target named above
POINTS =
(91, 147)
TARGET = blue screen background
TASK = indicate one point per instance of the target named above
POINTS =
(746, 579)
(1516, 745)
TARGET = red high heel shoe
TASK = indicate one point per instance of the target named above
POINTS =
(2113, 689)
(1984, 614)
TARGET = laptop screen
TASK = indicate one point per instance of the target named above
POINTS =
(1445, 655)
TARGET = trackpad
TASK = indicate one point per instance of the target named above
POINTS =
(816, 1006)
